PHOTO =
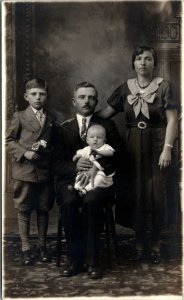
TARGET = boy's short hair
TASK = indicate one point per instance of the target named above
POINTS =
(36, 83)
(85, 84)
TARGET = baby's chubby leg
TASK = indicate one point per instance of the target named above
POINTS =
(99, 181)
(89, 187)
(77, 184)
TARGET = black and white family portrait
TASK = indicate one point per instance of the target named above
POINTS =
(92, 169)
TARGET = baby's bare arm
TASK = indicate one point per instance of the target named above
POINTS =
(76, 157)
(105, 153)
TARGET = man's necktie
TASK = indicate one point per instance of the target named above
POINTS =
(83, 129)
(41, 117)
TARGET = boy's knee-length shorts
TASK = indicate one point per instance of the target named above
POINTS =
(30, 195)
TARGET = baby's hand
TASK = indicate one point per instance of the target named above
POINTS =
(76, 157)
(31, 155)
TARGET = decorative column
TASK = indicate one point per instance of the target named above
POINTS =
(10, 87)
(166, 39)
(28, 41)
(10, 60)
(19, 33)
(25, 36)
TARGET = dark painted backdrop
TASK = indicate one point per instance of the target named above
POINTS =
(74, 42)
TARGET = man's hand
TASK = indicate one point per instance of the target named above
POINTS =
(31, 155)
(83, 164)
(85, 177)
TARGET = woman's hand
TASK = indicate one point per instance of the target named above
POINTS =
(171, 130)
(165, 158)
(83, 164)
(85, 177)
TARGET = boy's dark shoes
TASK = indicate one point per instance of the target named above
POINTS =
(43, 254)
(71, 269)
(26, 258)
(155, 257)
(94, 272)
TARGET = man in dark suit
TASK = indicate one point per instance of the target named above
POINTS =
(82, 228)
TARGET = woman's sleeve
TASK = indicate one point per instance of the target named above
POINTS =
(169, 100)
(116, 99)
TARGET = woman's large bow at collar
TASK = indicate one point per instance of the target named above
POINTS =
(140, 101)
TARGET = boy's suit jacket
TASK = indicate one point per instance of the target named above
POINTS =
(68, 141)
(23, 132)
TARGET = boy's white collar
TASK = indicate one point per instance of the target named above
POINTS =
(35, 110)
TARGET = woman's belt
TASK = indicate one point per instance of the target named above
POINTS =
(143, 125)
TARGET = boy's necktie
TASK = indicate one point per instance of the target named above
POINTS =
(41, 117)
(83, 129)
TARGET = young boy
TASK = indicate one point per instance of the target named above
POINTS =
(96, 137)
(30, 141)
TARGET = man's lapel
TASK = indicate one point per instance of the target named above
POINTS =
(74, 134)
(75, 126)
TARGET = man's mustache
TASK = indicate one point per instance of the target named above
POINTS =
(86, 106)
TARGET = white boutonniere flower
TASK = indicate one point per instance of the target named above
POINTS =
(39, 146)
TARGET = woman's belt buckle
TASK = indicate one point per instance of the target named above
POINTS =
(142, 125)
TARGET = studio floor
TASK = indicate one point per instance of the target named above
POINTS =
(124, 278)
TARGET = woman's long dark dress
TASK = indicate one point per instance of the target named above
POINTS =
(144, 194)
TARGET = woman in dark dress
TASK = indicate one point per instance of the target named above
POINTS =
(151, 122)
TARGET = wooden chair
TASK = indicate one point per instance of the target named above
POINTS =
(109, 235)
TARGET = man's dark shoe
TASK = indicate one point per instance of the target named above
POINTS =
(43, 254)
(26, 258)
(94, 272)
(71, 269)
(140, 256)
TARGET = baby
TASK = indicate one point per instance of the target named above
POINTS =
(96, 137)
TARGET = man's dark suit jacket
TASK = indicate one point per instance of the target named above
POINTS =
(68, 141)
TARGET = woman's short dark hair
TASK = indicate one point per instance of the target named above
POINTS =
(142, 49)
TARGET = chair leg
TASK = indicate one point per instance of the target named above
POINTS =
(107, 234)
(113, 231)
(59, 240)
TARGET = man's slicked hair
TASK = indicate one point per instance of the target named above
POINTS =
(85, 84)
